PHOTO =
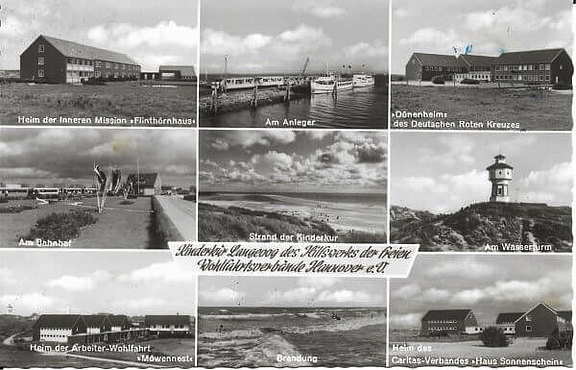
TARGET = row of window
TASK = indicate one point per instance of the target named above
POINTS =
(524, 78)
(523, 67)
(98, 64)
(442, 321)
(442, 328)
(440, 69)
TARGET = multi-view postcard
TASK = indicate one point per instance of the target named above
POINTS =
(482, 65)
(72, 309)
(291, 322)
(294, 64)
(121, 63)
(94, 188)
(480, 191)
(292, 186)
(483, 310)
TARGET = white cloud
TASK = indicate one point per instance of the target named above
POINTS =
(28, 303)
(432, 39)
(400, 13)
(221, 43)
(72, 283)
(319, 8)
(7, 276)
(347, 296)
(376, 48)
(223, 295)
(168, 272)
(405, 321)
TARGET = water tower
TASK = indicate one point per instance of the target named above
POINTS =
(500, 175)
(10, 309)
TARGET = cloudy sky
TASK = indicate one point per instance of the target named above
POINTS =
(275, 36)
(291, 292)
(487, 284)
(53, 155)
(442, 172)
(152, 32)
(132, 283)
(436, 26)
(293, 161)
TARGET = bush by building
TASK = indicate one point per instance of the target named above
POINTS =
(494, 337)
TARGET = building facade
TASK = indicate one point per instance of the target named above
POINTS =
(52, 60)
(168, 325)
(424, 67)
(506, 322)
(57, 328)
(541, 320)
(549, 66)
(449, 321)
(146, 184)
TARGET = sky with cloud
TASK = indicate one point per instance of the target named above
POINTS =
(152, 32)
(131, 283)
(436, 26)
(66, 155)
(487, 284)
(291, 292)
(293, 161)
(274, 36)
(442, 172)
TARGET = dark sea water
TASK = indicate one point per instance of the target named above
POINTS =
(361, 108)
(255, 336)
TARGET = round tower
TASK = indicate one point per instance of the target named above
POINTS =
(500, 175)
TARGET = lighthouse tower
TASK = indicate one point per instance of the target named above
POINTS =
(500, 175)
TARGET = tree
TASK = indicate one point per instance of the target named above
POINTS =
(494, 337)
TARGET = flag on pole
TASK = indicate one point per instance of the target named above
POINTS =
(100, 176)
(115, 183)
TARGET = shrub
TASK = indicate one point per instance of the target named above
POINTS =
(439, 334)
(469, 81)
(553, 341)
(494, 337)
(61, 226)
(438, 80)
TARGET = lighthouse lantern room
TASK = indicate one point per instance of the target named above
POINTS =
(500, 175)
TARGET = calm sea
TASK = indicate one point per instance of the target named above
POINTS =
(255, 336)
(362, 108)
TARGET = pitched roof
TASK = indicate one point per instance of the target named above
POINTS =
(446, 314)
(118, 320)
(76, 50)
(438, 60)
(145, 179)
(566, 315)
(94, 320)
(508, 317)
(529, 56)
(477, 60)
(57, 321)
(167, 319)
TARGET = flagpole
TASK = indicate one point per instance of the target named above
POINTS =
(97, 189)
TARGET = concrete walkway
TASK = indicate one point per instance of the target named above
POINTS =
(182, 213)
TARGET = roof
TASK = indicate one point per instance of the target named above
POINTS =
(530, 56)
(144, 179)
(76, 50)
(566, 315)
(508, 317)
(57, 321)
(167, 319)
(477, 60)
(446, 314)
(497, 166)
(94, 320)
(438, 60)
(538, 305)
(185, 70)
(118, 320)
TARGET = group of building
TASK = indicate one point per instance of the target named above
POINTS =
(102, 328)
(542, 67)
(53, 60)
(539, 321)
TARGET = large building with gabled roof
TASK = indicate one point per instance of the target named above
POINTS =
(548, 66)
(53, 60)
(459, 321)
(424, 67)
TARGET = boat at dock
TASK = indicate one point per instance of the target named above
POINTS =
(363, 80)
(328, 83)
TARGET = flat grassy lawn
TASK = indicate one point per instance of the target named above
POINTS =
(534, 110)
(116, 99)
(520, 348)
(119, 226)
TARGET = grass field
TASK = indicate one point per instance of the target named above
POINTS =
(520, 348)
(116, 99)
(534, 110)
(121, 225)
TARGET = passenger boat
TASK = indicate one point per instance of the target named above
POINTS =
(237, 83)
(327, 83)
(362, 80)
(269, 81)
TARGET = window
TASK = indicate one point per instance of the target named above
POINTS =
(505, 68)
(40, 61)
(561, 66)
(69, 60)
(41, 48)
(530, 67)
(528, 317)
(547, 78)
(107, 64)
(98, 64)
(541, 78)
(40, 73)
(528, 328)
(547, 67)
(541, 67)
